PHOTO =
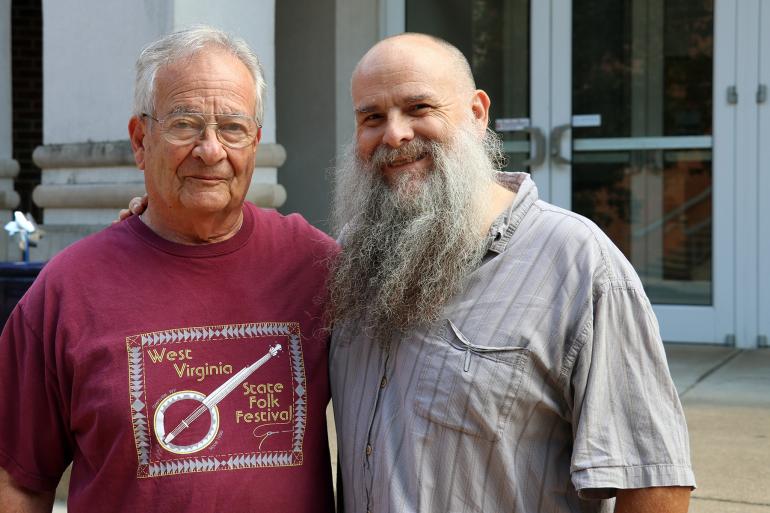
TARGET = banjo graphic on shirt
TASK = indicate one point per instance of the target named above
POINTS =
(207, 405)
(237, 416)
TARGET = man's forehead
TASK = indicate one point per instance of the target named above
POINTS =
(392, 58)
(210, 75)
(405, 46)
(207, 65)
(377, 97)
(406, 69)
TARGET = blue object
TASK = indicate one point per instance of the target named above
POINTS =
(15, 279)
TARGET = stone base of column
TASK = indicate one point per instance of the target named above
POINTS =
(55, 238)
(9, 200)
(85, 184)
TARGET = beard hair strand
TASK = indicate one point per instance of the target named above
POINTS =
(409, 246)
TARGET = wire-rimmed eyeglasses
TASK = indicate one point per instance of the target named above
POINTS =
(233, 130)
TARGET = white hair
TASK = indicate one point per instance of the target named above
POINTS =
(184, 43)
(409, 243)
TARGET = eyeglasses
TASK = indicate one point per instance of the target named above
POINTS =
(233, 130)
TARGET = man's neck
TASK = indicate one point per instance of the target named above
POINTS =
(499, 200)
(195, 229)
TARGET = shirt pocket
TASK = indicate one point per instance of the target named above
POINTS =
(469, 387)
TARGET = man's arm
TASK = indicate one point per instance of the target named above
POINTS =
(663, 499)
(14, 499)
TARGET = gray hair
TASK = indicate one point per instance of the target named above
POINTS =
(184, 43)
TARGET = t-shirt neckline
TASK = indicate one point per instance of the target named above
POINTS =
(198, 250)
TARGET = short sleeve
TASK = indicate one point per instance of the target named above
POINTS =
(628, 425)
(34, 444)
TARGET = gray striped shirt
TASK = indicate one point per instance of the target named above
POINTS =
(543, 389)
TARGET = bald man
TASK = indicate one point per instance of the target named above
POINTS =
(491, 352)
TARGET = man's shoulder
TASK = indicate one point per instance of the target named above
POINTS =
(99, 240)
(561, 222)
(588, 246)
(291, 228)
(90, 251)
(79, 267)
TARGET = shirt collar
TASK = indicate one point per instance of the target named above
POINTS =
(505, 225)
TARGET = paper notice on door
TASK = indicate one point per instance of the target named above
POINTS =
(586, 120)
(511, 124)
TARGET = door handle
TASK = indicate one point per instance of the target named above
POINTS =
(762, 93)
(556, 135)
(539, 141)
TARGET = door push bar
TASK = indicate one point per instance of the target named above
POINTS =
(556, 135)
(539, 142)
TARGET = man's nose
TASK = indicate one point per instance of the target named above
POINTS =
(398, 131)
(208, 148)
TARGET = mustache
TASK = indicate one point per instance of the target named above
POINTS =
(404, 256)
(385, 155)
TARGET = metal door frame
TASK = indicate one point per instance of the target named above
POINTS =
(740, 313)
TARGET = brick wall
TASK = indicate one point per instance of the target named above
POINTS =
(27, 84)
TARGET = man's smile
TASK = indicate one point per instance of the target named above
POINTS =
(402, 161)
(407, 163)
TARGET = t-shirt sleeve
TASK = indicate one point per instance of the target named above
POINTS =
(34, 444)
(628, 425)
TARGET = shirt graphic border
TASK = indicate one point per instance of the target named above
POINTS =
(140, 420)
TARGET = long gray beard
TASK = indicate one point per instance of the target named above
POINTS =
(409, 246)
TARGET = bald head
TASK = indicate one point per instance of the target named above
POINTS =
(434, 51)
(414, 87)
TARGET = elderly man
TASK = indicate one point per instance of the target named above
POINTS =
(491, 352)
(208, 392)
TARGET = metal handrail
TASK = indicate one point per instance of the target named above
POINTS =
(641, 232)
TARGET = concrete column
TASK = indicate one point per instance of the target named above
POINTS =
(306, 127)
(93, 180)
(358, 29)
(89, 50)
(9, 168)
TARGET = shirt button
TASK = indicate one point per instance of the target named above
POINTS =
(368, 449)
(383, 382)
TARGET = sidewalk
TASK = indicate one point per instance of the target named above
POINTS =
(726, 397)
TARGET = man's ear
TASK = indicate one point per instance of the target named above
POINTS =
(480, 109)
(136, 133)
(259, 138)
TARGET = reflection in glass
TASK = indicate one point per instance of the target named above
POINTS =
(672, 250)
(494, 37)
(646, 67)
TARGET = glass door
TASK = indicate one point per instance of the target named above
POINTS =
(641, 115)
(636, 151)
(642, 138)
(495, 37)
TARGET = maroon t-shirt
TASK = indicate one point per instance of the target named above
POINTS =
(124, 358)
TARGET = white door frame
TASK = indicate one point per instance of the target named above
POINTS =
(762, 99)
(746, 171)
(680, 323)
(740, 313)
(392, 17)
